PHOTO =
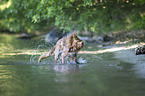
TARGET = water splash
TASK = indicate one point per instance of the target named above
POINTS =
(39, 46)
(81, 60)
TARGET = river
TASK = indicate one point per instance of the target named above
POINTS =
(99, 75)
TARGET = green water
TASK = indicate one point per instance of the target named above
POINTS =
(101, 75)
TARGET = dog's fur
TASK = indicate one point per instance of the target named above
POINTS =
(66, 47)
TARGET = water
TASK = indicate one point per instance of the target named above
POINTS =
(101, 75)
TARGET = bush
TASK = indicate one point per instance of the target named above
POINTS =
(91, 15)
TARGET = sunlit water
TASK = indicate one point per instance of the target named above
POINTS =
(98, 75)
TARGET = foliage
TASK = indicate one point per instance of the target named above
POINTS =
(91, 15)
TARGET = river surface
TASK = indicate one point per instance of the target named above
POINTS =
(98, 75)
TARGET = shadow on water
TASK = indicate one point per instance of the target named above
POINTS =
(99, 75)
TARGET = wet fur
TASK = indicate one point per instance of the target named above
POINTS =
(66, 47)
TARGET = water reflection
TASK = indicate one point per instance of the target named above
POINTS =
(66, 68)
(4, 74)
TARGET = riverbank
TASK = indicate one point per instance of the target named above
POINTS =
(129, 56)
(138, 61)
(124, 51)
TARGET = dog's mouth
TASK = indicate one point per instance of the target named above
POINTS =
(80, 44)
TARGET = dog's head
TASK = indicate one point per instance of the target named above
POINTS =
(77, 42)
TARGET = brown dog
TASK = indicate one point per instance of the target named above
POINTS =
(66, 47)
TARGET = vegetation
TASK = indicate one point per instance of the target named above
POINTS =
(91, 15)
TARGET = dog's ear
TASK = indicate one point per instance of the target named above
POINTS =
(74, 34)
